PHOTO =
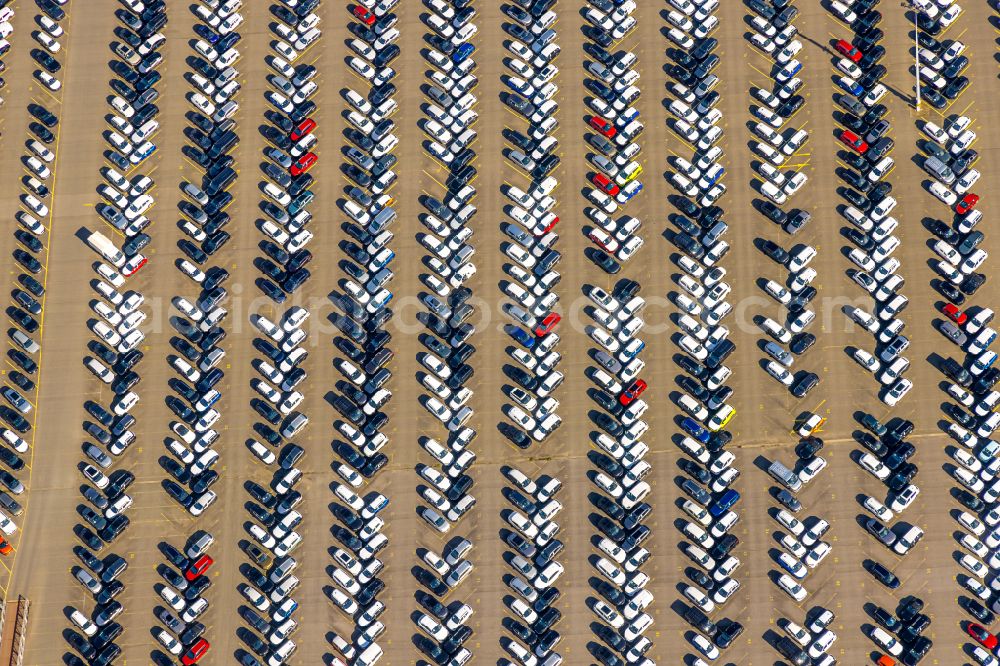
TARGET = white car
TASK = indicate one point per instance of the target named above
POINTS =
(886, 641)
(792, 588)
(897, 391)
(705, 646)
(974, 566)
(971, 523)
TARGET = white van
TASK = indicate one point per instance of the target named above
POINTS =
(370, 656)
(692, 407)
(356, 212)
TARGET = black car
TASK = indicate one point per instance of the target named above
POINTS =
(700, 578)
(372, 588)
(603, 260)
(88, 537)
(696, 471)
(968, 500)
(882, 574)
(901, 477)
(873, 75)
(789, 501)
(48, 118)
(772, 212)
(18, 423)
(45, 60)
(791, 651)
(808, 447)
(787, 108)
(943, 231)
(933, 97)
(885, 618)
(127, 36)
(613, 594)
(971, 284)
(961, 162)
(804, 384)
(604, 655)
(976, 610)
(22, 361)
(80, 644)
(802, 342)
(723, 546)
(918, 650)
(729, 631)
(27, 261)
(854, 179)
(22, 319)
(774, 251)
(914, 628)
(856, 199)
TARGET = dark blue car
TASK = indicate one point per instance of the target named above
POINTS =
(462, 53)
(521, 336)
(724, 503)
(694, 429)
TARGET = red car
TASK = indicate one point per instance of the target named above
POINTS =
(604, 184)
(548, 226)
(952, 312)
(985, 638)
(363, 15)
(303, 164)
(549, 323)
(198, 567)
(133, 265)
(854, 142)
(303, 128)
(848, 50)
(967, 203)
(195, 652)
(633, 391)
(603, 126)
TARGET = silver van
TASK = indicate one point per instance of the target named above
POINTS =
(200, 544)
(384, 218)
(379, 280)
(939, 170)
(785, 476)
(715, 233)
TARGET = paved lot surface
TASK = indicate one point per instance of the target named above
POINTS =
(40, 567)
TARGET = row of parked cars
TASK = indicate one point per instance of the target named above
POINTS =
(776, 140)
(867, 191)
(611, 79)
(448, 120)
(621, 595)
(948, 157)
(363, 354)
(865, 133)
(531, 152)
(185, 580)
(363, 391)
(531, 552)
(193, 398)
(113, 354)
(289, 156)
(887, 459)
(24, 312)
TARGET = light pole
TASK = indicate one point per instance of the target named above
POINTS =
(916, 56)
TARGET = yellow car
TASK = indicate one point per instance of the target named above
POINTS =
(628, 173)
(721, 418)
